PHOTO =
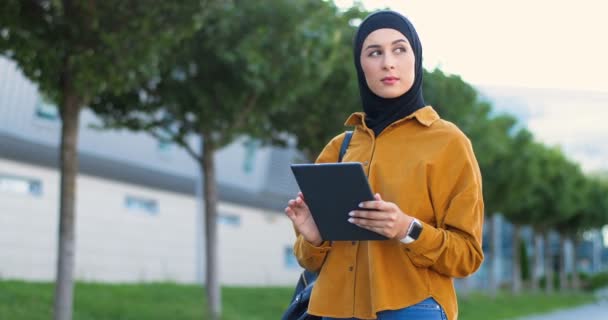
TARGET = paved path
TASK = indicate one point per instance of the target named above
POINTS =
(593, 311)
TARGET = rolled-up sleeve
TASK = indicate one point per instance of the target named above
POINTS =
(310, 257)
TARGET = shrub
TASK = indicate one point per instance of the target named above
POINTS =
(595, 281)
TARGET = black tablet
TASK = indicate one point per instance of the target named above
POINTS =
(331, 191)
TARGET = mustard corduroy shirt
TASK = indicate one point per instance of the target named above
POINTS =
(426, 166)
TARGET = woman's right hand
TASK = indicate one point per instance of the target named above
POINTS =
(300, 216)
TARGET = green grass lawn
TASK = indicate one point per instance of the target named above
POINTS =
(33, 301)
(507, 306)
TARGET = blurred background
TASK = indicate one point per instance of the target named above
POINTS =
(145, 148)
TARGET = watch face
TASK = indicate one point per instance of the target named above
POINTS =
(416, 230)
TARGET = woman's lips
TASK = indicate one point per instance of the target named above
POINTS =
(389, 80)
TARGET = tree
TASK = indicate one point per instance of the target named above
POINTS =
(75, 50)
(554, 202)
(253, 58)
(592, 214)
(318, 114)
(519, 178)
(572, 210)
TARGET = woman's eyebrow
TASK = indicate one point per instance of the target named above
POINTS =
(375, 46)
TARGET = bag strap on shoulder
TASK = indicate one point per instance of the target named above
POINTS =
(307, 277)
(347, 136)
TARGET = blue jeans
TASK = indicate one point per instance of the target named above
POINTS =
(427, 309)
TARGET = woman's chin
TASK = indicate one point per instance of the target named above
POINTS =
(389, 94)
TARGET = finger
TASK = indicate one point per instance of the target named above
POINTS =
(290, 213)
(363, 214)
(373, 214)
(295, 207)
(301, 195)
(375, 205)
(378, 197)
(367, 222)
(302, 204)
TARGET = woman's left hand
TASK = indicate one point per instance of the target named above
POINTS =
(382, 217)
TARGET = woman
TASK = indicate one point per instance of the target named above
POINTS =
(428, 197)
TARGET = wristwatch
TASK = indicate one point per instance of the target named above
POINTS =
(413, 232)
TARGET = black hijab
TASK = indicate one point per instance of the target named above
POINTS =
(381, 112)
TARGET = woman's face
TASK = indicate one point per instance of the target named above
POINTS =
(388, 62)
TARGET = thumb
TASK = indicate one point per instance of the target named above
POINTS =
(377, 197)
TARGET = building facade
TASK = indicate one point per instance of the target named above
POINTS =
(137, 213)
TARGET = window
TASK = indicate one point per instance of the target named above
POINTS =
(290, 259)
(164, 146)
(138, 204)
(46, 110)
(20, 185)
(249, 160)
(229, 220)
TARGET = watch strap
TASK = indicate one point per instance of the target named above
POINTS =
(413, 232)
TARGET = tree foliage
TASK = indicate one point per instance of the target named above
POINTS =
(100, 45)
(318, 114)
(75, 50)
(250, 61)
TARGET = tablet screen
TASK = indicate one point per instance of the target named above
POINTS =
(331, 191)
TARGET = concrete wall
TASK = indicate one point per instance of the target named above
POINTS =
(116, 243)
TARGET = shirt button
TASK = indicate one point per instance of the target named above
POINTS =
(350, 268)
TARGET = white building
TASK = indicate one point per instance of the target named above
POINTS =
(136, 207)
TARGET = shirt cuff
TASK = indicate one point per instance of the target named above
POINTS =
(309, 249)
(428, 238)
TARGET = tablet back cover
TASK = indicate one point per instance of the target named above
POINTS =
(331, 191)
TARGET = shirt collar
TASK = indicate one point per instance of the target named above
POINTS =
(426, 116)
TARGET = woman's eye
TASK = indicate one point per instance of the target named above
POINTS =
(375, 53)
(400, 50)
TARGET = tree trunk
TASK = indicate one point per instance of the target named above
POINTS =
(211, 199)
(491, 256)
(516, 281)
(596, 249)
(576, 280)
(563, 273)
(68, 162)
(548, 265)
(538, 258)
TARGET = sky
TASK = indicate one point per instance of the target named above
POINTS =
(509, 48)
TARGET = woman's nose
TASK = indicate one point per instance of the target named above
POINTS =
(388, 62)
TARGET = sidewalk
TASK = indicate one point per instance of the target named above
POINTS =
(593, 311)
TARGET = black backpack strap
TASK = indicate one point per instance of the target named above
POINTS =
(347, 136)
